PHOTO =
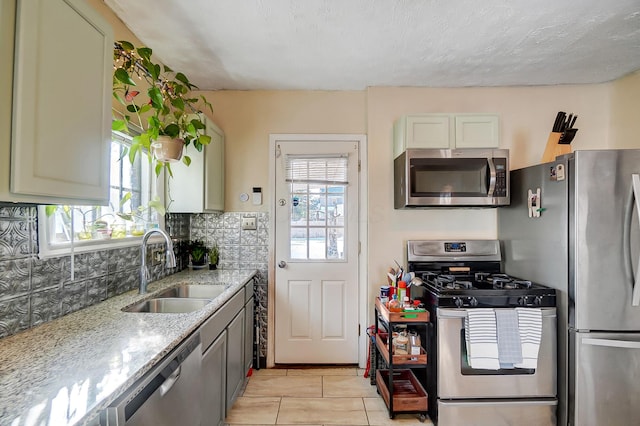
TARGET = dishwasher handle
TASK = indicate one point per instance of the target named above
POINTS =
(170, 381)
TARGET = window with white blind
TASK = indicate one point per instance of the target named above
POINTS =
(317, 209)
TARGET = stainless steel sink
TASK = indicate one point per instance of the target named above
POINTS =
(193, 291)
(168, 305)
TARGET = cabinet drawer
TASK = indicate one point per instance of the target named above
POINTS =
(219, 320)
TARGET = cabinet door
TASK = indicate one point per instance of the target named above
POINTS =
(428, 131)
(214, 170)
(61, 129)
(214, 368)
(235, 358)
(477, 131)
(248, 335)
(185, 190)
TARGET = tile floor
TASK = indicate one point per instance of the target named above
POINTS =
(313, 396)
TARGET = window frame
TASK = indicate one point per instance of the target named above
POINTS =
(46, 249)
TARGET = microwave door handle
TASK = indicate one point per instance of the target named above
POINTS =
(632, 201)
(492, 176)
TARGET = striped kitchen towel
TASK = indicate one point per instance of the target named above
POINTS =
(530, 325)
(481, 339)
(509, 345)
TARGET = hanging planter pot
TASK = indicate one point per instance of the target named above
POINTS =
(167, 149)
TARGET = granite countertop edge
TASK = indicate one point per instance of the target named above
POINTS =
(68, 370)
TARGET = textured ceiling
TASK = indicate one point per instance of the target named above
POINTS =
(353, 44)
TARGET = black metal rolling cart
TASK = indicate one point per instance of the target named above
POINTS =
(399, 387)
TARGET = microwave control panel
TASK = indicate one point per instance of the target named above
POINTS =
(501, 177)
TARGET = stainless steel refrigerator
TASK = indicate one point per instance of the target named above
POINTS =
(585, 244)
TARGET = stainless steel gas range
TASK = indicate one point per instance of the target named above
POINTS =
(469, 381)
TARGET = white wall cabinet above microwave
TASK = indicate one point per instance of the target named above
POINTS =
(55, 113)
(199, 187)
(444, 131)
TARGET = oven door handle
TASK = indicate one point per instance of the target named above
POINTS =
(450, 313)
(492, 176)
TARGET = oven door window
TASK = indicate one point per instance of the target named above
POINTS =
(456, 177)
(466, 370)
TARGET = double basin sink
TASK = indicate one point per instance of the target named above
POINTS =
(181, 299)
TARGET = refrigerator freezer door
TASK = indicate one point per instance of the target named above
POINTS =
(605, 379)
(604, 239)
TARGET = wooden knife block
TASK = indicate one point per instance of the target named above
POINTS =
(554, 149)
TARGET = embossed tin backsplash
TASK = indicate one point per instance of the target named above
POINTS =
(34, 291)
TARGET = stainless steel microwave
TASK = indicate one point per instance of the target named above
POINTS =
(470, 177)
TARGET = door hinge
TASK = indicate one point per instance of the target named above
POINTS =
(359, 165)
(358, 330)
(359, 247)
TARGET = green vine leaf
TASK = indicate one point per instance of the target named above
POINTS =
(186, 160)
(123, 76)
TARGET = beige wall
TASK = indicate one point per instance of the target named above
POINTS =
(248, 117)
(625, 112)
(608, 117)
(527, 115)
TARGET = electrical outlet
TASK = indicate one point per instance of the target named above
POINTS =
(157, 256)
(249, 223)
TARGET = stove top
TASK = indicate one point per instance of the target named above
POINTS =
(467, 274)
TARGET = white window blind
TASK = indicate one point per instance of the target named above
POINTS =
(322, 170)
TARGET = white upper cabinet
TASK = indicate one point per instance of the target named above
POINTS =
(214, 169)
(477, 131)
(444, 131)
(61, 108)
(199, 187)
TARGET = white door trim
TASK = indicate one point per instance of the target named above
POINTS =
(363, 303)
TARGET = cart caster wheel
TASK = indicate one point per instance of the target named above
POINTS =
(392, 416)
(422, 418)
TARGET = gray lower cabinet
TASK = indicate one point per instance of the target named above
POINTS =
(248, 334)
(235, 358)
(214, 367)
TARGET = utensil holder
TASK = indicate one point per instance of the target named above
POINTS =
(554, 149)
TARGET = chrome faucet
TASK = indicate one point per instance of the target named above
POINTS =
(170, 255)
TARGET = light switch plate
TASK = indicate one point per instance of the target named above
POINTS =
(249, 223)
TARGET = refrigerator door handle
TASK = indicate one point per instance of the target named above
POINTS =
(492, 176)
(611, 343)
(632, 201)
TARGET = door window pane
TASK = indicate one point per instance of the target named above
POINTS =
(317, 194)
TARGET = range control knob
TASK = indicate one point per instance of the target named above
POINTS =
(537, 300)
(458, 302)
(473, 301)
(523, 301)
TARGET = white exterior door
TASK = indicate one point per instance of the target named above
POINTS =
(316, 252)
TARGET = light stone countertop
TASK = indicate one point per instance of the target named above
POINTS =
(66, 371)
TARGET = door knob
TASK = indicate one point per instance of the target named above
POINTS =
(282, 264)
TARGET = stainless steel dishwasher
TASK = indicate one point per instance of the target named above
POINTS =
(170, 394)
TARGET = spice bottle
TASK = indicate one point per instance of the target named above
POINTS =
(402, 290)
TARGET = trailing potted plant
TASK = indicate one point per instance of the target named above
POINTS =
(198, 252)
(214, 256)
(168, 116)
